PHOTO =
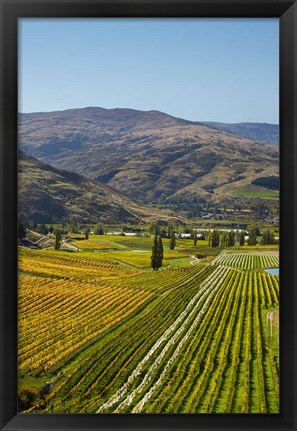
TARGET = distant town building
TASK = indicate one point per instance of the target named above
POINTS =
(184, 235)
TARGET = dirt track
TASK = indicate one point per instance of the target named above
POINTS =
(272, 320)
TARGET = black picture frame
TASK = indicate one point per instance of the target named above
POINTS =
(286, 11)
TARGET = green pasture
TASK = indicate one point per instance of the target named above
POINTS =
(253, 191)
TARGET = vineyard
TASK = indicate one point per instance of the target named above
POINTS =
(113, 242)
(113, 336)
(245, 261)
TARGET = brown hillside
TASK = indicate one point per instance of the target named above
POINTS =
(146, 155)
(48, 195)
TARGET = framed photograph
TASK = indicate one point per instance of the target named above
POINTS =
(148, 215)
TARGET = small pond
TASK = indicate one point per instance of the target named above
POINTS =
(273, 271)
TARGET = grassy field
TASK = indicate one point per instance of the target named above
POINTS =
(112, 336)
(112, 242)
(252, 190)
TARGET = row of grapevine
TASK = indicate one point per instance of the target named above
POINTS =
(71, 266)
(49, 334)
(176, 336)
(206, 384)
(181, 340)
(246, 261)
(57, 316)
(106, 363)
(197, 355)
(211, 356)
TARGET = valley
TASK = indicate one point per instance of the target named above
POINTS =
(149, 156)
(91, 328)
(143, 247)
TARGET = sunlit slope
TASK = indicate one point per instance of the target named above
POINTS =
(146, 155)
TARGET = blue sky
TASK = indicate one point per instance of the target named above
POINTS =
(200, 69)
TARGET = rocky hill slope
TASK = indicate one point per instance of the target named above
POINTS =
(48, 195)
(147, 155)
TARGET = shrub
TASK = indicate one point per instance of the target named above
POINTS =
(200, 256)
(27, 397)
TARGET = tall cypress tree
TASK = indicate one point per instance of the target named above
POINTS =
(268, 238)
(252, 237)
(172, 240)
(87, 233)
(154, 256)
(58, 239)
(215, 240)
(224, 239)
(231, 239)
(241, 241)
(160, 250)
(171, 227)
(195, 237)
(209, 238)
(157, 253)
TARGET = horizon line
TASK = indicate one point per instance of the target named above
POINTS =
(148, 110)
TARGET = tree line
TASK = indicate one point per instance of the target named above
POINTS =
(229, 239)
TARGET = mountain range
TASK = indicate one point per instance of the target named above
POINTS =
(147, 154)
(257, 131)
